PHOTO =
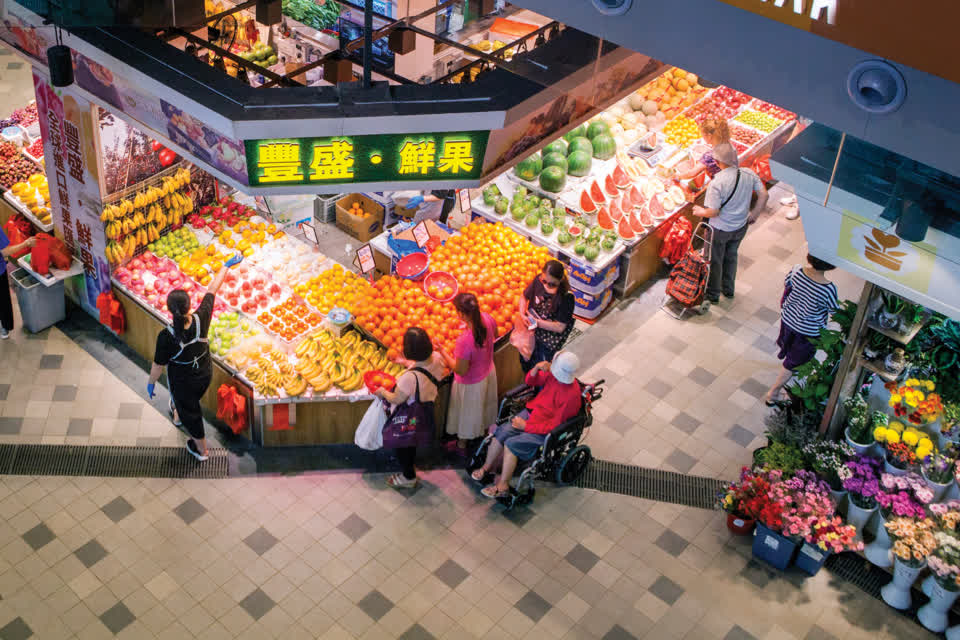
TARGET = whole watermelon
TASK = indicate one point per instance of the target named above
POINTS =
(553, 179)
(579, 163)
(596, 128)
(555, 160)
(557, 146)
(529, 168)
(604, 146)
(580, 144)
(579, 132)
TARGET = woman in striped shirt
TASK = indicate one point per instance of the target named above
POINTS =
(808, 300)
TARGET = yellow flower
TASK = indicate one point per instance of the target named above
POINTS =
(923, 453)
(880, 434)
(893, 437)
(911, 438)
(896, 426)
(925, 443)
(895, 399)
(912, 382)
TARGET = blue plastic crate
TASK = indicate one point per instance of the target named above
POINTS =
(810, 558)
(773, 548)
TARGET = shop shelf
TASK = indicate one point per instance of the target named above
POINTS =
(16, 204)
(876, 366)
(900, 338)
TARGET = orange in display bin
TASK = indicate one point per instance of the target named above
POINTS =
(377, 379)
(412, 266)
(441, 286)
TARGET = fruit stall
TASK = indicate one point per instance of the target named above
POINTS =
(26, 195)
(604, 195)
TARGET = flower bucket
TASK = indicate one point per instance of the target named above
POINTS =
(939, 490)
(892, 470)
(838, 497)
(859, 517)
(861, 449)
(740, 525)
(878, 551)
(953, 491)
(810, 558)
(933, 615)
(943, 440)
(953, 633)
(897, 592)
(773, 548)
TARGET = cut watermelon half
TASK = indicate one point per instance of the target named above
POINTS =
(636, 198)
(575, 230)
(635, 224)
(616, 212)
(587, 205)
(596, 192)
(620, 177)
(656, 209)
(604, 219)
(624, 230)
(645, 218)
(610, 187)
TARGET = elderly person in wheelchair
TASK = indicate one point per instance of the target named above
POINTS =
(520, 438)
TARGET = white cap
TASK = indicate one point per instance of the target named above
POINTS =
(564, 366)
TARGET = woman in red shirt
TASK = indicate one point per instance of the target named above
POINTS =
(558, 401)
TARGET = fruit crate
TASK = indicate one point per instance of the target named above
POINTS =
(325, 207)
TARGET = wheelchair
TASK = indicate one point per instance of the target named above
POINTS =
(561, 458)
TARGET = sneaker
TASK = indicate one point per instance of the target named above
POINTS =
(4, 334)
(713, 300)
(792, 214)
(728, 295)
(194, 451)
(399, 481)
(173, 413)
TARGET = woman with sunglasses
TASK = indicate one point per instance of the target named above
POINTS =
(547, 303)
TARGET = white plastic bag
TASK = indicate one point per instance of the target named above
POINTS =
(369, 434)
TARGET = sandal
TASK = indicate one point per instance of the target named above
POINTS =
(482, 474)
(399, 481)
(493, 492)
(173, 415)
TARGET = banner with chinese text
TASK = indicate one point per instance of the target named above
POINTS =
(66, 124)
(419, 157)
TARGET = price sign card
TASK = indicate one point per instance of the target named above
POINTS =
(364, 259)
(421, 235)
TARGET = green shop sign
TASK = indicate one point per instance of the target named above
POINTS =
(414, 157)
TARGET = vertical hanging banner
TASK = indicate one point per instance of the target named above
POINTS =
(66, 124)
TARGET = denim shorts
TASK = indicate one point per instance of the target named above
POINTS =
(522, 444)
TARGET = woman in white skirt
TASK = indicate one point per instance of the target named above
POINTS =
(473, 398)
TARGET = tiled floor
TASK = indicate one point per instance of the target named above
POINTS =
(339, 555)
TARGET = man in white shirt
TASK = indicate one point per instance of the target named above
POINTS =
(727, 208)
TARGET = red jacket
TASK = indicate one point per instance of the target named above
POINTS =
(555, 404)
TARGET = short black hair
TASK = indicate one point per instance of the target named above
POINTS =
(417, 345)
(818, 264)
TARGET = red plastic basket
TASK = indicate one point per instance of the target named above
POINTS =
(413, 266)
(441, 279)
(389, 381)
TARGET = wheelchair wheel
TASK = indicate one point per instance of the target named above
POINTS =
(573, 464)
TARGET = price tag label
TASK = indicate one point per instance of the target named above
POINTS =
(737, 522)
(811, 552)
(421, 235)
(464, 195)
(364, 260)
(309, 232)
(772, 542)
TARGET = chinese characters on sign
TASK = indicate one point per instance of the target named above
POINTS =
(380, 158)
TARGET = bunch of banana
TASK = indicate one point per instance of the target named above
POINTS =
(117, 251)
(326, 361)
(294, 386)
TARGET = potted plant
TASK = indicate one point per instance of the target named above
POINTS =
(829, 535)
(916, 401)
(787, 458)
(858, 432)
(769, 544)
(912, 316)
(942, 586)
(877, 346)
(899, 497)
(903, 447)
(949, 424)
(889, 314)
(828, 459)
(862, 487)
(742, 499)
(913, 543)
(937, 472)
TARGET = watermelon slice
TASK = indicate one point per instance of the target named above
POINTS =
(587, 205)
(636, 198)
(616, 212)
(620, 177)
(596, 192)
(645, 218)
(656, 209)
(610, 187)
(635, 224)
(604, 219)
(624, 230)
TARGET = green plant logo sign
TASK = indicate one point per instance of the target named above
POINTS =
(419, 157)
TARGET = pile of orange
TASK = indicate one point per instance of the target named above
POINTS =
(489, 260)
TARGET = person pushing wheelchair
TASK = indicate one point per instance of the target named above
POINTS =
(521, 437)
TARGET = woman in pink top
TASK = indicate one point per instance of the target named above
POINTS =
(473, 398)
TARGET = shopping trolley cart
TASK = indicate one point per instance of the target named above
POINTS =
(687, 287)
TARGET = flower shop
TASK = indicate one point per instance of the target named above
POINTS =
(863, 458)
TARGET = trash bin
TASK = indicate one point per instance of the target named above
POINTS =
(40, 306)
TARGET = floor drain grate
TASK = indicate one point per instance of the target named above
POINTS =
(652, 484)
(110, 461)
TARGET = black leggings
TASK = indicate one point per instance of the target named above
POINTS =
(6, 304)
(407, 456)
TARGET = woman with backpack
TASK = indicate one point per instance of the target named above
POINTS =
(410, 419)
(182, 348)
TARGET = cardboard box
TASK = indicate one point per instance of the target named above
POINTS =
(361, 228)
